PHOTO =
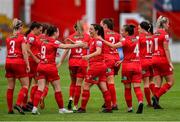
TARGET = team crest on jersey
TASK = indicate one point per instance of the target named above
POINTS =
(124, 78)
(31, 39)
(134, 39)
(25, 38)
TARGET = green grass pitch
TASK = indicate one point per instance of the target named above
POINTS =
(170, 102)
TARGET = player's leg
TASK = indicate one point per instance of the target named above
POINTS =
(59, 97)
(22, 94)
(128, 96)
(147, 91)
(45, 92)
(9, 94)
(38, 94)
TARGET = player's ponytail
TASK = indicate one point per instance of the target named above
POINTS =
(147, 26)
(99, 29)
(16, 24)
(161, 21)
(51, 30)
(109, 22)
(79, 27)
(32, 26)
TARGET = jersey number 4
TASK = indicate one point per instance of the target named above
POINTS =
(136, 50)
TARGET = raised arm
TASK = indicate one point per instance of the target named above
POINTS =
(96, 53)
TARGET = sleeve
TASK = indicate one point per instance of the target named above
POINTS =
(124, 42)
(166, 37)
(56, 44)
(99, 43)
(30, 40)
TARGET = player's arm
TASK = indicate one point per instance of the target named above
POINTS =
(65, 53)
(116, 45)
(25, 56)
(69, 46)
(96, 53)
(31, 54)
(167, 52)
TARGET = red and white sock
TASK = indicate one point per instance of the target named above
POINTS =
(32, 92)
(163, 90)
(77, 95)
(139, 94)
(59, 99)
(147, 95)
(9, 98)
(72, 89)
(85, 98)
(107, 99)
(37, 98)
(22, 94)
(46, 89)
(128, 97)
(112, 90)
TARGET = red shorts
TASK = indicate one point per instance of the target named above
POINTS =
(33, 69)
(48, 72)
(77, 71)
(147, 67)
(96, 73)
(15, 70)
(161, 67)
(131, 73)
(110, 67)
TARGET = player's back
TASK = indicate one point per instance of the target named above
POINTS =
(160, 36)
(14, 48)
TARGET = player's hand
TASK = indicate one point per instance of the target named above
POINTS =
(171, 66)
(86, 57)
(81, 44)
(58, 65)
(28, 69)
(37, 60)
(118, 63)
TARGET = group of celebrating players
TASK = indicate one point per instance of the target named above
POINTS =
(95, 58)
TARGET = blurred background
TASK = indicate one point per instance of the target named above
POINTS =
(64, 14)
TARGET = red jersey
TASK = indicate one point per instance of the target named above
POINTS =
(131, 49)
(75, 58)
(34, 42)
(160, 37)
(94, 43)
(146, 45)
(113, 38)
(48, 50)
(14, 49)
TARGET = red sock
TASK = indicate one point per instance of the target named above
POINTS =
(107, 99)
(9, 97)
(156, 89)
(77, 95)
(72, 89)
(139, 94)
(152, 87)
(25, 100)
(163, 90)
(85, 98)
(128, 97)
(32, 93)
(112, 90)
(22, 94)
(37, 98)
(147, 95)
(46, 89)
(59, 99)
